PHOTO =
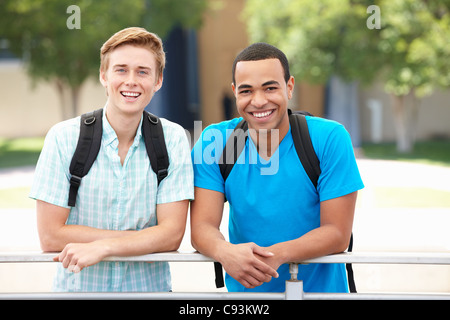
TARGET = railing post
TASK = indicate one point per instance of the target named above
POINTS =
(294, 287)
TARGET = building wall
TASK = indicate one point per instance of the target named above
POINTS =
(433, 115)
(30, 110)
(222, 37)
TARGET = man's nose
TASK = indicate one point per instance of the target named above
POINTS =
(131, 79)
(259, 99)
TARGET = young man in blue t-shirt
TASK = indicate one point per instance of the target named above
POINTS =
(276, 214)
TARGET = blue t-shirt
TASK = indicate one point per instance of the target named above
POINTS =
(275, 201)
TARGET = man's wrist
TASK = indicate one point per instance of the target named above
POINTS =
(280, 253)
(221, 248)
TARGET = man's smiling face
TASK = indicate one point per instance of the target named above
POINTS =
(131, 79)
(262, 94)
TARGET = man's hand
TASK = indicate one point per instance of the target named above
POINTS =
(241, 262)
(77, 256)
(274, 260)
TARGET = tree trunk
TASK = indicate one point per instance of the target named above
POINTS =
(68, 98)
(414, 118)
(402, 124)
(62, 94)
(75, 99)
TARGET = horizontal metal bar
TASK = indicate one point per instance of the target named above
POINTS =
(176, 256)
(35, 256)
(144, 296)
(375, 296)
(215, 296)
(385, 258)
(354, 257)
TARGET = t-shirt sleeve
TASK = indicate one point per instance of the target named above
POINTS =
(339, 170)
(51, 178)
(206, 156)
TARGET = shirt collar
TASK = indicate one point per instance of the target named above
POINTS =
(110, 136)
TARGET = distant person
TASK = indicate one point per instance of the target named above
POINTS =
(277, 216)
(227, 104)
(120, 209)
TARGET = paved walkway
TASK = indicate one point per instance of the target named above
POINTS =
(375, 229)
(16, 177)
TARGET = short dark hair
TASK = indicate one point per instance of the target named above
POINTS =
(262, 51)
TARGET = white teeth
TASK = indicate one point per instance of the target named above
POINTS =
(130, 94)
(262, 114)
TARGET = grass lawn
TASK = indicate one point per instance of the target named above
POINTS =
(435, 152)
(25, 151)
(20, 152)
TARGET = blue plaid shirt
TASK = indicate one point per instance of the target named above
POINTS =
(113, 197)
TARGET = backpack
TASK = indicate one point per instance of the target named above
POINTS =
(303, 145)
(90, 139)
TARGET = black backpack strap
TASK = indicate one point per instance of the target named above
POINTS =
(88, 146)
(153, 134)
(348, 266)
(220, 283)
(310, 162)
(233, 148)
(89, 143)
(304, 147)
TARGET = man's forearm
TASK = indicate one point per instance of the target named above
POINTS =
(319, 242)
(208, 240)
(333, 235)
(149, 240)
(58, 239)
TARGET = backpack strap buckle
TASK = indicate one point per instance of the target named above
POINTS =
(75, 180)
(162, 173)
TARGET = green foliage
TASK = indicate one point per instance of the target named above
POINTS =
(322, 38)
(414, 40)
(37, 30)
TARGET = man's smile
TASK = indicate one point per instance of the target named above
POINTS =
(262, 114)
(130, 94)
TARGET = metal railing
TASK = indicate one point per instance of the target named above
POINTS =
(294, 287)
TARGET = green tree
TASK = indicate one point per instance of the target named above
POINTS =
(38, 31)
(408, 52)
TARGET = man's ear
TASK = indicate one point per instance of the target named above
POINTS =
(290, 86)
(102, 78)
(233, 88)
(159, 83)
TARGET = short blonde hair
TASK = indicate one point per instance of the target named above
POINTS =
(134, 36)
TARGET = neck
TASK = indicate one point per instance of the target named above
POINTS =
(268, 140)
(125, 125)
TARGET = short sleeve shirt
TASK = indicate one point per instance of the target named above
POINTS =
(273, 201)
(115, 197)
